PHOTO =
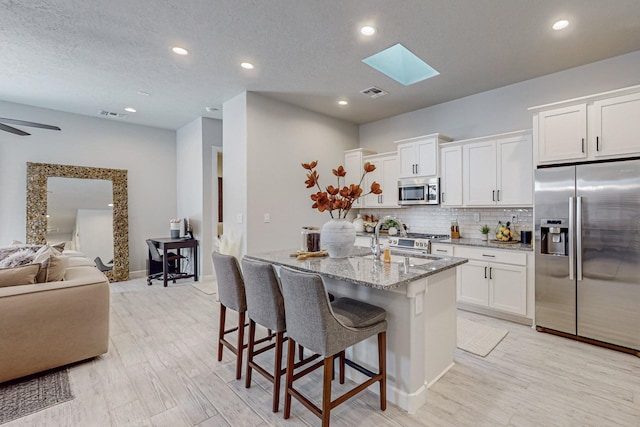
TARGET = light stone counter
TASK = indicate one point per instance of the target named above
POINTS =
(420, 300)
(486, 244)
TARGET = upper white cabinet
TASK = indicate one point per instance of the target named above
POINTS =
(451, 176)
(419, 156)
(616, 126)
(498, 172)
(386, 174)
(354, 165)
(562, 134)
(602, 126)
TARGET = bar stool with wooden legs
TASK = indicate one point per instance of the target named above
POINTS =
(232, 295)
(328, 329)
(265, 307)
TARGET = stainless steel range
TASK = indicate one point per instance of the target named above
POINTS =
(414, 242)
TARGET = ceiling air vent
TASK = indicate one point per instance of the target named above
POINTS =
(374, 92)
(112, 115)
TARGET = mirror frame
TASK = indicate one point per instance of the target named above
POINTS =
(37, 175)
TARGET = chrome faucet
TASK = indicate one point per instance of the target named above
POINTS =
(375, 239)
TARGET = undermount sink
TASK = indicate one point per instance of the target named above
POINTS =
(400, 259)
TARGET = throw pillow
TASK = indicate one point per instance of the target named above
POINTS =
(42, 257)
(23, 275)
(57, 267)
(21, 256)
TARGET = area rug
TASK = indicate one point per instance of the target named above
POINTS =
(477, 338)
(22, 397)
(209, 287)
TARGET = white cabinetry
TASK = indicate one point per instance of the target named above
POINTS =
(386, 174)
(354, 165)
(496, 279)
(442, 249)
(616, 126)
(451, 176)
(498, 171)
(601, 126)
(419, 156)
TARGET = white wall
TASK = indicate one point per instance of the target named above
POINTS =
(94, 233)
(279, 137)
(503, 109)
(195, 170)
(148, 154)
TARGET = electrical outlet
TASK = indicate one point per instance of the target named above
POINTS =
(476, 217)
(239, 218)
(514, 219)
(267, 217)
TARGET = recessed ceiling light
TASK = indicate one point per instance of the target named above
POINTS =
(211, 109)
(367, 30)
(343, 103)
(110, 205)
(130, 109)
(180, 50)
(48, 216)
(560, 25)
(247, 65)
(143, 93)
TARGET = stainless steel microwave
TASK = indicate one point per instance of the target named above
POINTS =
(419, 191)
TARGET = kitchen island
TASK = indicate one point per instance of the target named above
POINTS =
(419, 295)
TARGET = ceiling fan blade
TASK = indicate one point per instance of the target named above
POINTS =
(26, 123)
(13, 130)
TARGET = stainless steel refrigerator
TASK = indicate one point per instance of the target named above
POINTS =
(587, 251)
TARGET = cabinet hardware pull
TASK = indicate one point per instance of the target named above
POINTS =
(490, 272)
(597, 143)
(493, 197)
(583, 145)
(490, 256)
(498, 195)
(442, 197)
(441, 250)
(381, 198)
(485, 272)
(417, 169)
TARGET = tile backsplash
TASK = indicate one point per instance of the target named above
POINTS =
(432, 219)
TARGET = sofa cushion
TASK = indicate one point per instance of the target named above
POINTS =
(23, 275)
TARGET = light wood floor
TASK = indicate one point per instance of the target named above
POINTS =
(161, 370)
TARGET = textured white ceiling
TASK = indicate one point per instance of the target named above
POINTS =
(83, 56)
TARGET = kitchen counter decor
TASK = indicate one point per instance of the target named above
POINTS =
(338, 235)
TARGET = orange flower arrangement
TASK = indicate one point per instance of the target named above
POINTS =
(336, 198)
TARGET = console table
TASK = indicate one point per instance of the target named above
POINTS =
(165, 244)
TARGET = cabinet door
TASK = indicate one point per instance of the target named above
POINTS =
(514, 171)
(407, 160)
(562, 134)
(373, 200)
(354, 167)
(427, 157)
(389, 196)
(617, 126)
(479, 174)
(473, 283)
(451, 179)
(508, 288)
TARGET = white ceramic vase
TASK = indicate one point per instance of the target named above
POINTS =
(338, 236)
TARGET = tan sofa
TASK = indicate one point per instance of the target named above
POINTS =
(46, 325)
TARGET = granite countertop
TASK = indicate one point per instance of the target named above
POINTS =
(486, 244)
(360, 269)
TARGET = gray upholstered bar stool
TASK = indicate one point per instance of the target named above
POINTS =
(231, 293)
(265, 307)
(328, 329)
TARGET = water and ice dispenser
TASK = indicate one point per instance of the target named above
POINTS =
(554, 235)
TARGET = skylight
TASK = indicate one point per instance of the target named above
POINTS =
(401, 65)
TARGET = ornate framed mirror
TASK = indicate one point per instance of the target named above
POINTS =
(37, 209)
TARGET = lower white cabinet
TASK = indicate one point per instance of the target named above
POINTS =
(442, 249)
(495, 279)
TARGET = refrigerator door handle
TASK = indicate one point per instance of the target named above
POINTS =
(579, 238)
(572, 227)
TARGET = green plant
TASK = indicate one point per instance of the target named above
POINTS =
(485, 229)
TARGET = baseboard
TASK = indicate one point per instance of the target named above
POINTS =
(492, 313)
